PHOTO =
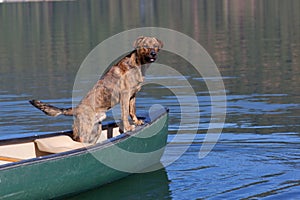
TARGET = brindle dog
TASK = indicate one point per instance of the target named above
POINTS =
(118, 85)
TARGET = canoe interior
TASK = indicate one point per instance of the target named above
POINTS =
(73, 171)
(15, 150)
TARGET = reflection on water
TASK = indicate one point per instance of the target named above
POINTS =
(153, 185)
(254, 43)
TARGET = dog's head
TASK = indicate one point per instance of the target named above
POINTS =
(147, 48)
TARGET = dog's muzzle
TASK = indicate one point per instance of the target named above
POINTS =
(152, 56)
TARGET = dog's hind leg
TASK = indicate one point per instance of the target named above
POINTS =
(83, 124)
(87, 127)
(97, 130)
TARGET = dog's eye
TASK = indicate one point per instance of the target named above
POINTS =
(146, 46)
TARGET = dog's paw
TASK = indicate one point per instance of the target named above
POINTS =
(139, 122)
(129, 128)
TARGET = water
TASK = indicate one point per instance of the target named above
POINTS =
(256, 47)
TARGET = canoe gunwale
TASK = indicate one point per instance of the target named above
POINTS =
(84, 150)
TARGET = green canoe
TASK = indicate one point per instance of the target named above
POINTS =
(53, 165)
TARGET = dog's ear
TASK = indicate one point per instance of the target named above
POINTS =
(138, 41)
(161, 44)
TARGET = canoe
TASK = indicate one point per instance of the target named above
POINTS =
(53, 165)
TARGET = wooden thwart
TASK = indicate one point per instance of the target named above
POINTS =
(9, 159)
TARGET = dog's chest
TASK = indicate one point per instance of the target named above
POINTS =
(134, 79)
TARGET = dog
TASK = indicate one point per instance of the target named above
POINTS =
(119, 84)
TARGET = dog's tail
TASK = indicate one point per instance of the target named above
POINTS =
(51, 110)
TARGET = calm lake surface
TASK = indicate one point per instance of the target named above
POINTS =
(256, 46)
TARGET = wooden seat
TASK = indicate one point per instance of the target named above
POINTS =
(58, 144)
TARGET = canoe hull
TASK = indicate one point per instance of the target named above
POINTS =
(80, 170)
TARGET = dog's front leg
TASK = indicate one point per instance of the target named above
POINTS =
(125, 98)
(132, 112)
